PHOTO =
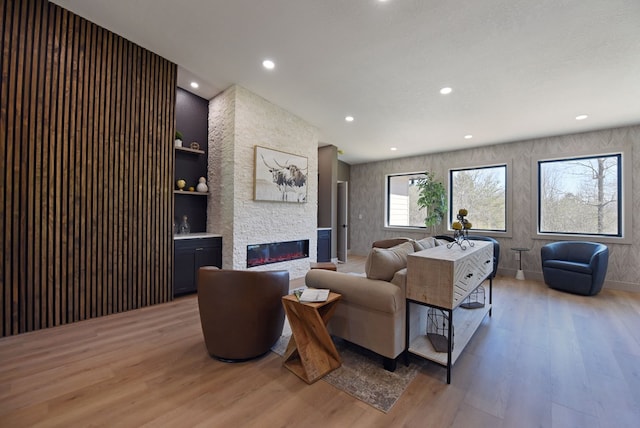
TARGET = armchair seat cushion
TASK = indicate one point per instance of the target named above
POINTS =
(569, 266)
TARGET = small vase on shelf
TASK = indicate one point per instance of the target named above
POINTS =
(184, 228)
(202, 185)
(178, 139)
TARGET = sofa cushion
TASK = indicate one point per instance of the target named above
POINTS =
(379, 296)
(392, 242)
(400, 280)
(424, 243)
(383, 263)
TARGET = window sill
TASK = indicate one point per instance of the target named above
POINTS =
(590, 238)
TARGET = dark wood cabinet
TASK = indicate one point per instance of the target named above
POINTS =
(190, 255)
(324, 245)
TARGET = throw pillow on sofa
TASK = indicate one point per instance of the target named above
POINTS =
(424, 243)
(383, 263)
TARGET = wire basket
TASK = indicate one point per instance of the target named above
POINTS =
(438, 330)
(475, 300)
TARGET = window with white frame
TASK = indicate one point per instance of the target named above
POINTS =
(581, 195)
(483, 192)
(402, 197)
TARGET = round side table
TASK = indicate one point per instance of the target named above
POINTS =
(520, 273)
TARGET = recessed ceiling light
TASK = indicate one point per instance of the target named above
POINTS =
(349, 118)
(194, 85)
(268, 64)
(468, 137)
(446, 91)
(393, 149)
(581, 117)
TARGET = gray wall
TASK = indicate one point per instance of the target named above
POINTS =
(367, 188)
(344, 171)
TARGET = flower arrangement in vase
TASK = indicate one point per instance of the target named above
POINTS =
(461, 230)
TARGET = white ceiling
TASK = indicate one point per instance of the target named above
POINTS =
(519, 69)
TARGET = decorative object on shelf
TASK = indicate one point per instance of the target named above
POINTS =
(475, 300)
(202, 185)
(192, 189)
(194, 146)
(461, 230)
(280, 176)
(438, 329)
(184, 228)
(432, 197)
(178, 140)
(181, 184)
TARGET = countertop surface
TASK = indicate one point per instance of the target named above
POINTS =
(197, 236)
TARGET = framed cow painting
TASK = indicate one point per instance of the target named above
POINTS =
(280, 176)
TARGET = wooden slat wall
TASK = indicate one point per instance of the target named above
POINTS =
(86, 145)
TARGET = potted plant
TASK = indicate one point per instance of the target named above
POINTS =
(178, 140)
(432, 197)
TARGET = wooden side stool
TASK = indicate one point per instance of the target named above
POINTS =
(324, 265)
(311, 353)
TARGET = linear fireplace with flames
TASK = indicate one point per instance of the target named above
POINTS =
(274, 252)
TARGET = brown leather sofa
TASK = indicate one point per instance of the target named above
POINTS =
(241, 312)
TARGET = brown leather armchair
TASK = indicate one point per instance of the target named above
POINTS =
(241, 312)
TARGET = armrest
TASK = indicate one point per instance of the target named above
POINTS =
(599, 263)
(548, 252)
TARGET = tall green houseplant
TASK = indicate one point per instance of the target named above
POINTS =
(432, 196)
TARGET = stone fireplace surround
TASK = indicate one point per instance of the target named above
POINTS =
(238, 121)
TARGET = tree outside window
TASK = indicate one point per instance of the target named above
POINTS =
(580, 195)
(483, 192)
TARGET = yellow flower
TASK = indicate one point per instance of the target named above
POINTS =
(463, 212)
(456, 225)
(467, 225)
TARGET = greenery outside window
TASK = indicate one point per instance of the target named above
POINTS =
(402, 197)
(483, 192)
(581, 196)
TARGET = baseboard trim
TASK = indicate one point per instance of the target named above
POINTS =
(537, 276)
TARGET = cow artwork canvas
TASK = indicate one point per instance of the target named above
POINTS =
(280, 176)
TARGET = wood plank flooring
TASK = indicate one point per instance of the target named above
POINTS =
(545, 359)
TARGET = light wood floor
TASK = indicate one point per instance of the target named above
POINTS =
(545, 359)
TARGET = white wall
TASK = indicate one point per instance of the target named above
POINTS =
(238, 121)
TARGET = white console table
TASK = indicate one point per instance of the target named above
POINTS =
(443, 278)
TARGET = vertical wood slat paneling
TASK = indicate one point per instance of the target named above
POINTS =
(86, 131)
(5, 174)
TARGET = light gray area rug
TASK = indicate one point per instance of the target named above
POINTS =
(361, 374)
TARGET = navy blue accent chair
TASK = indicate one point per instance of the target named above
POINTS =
(575, 266)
